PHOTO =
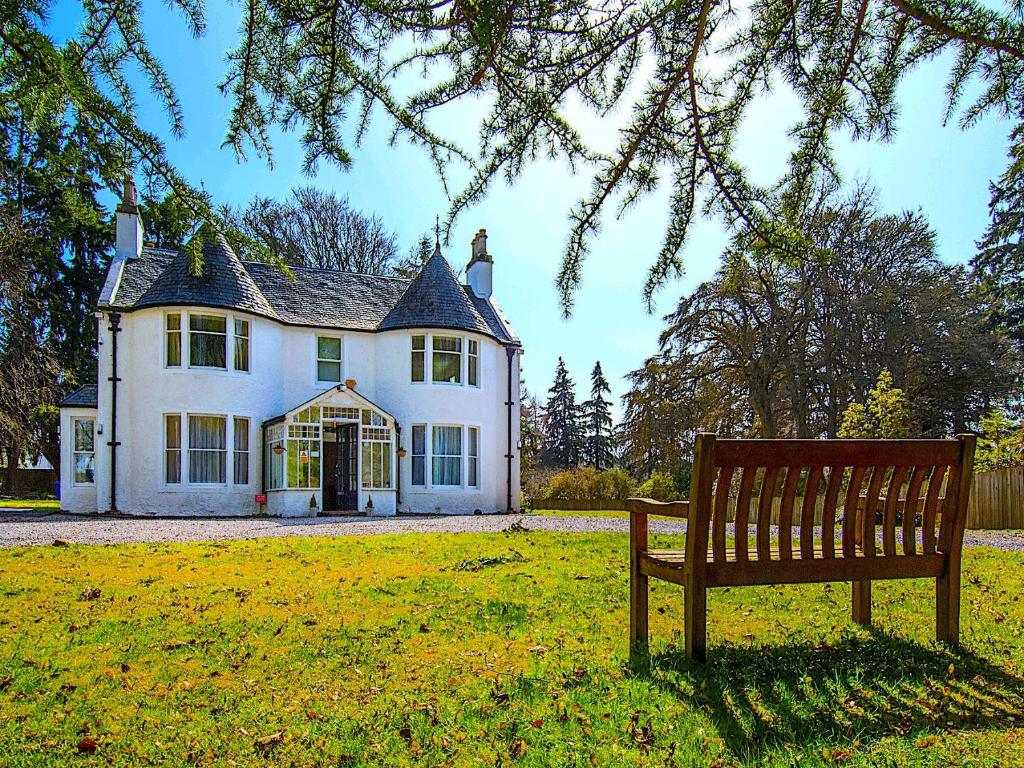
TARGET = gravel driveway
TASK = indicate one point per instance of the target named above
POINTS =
(34, 528)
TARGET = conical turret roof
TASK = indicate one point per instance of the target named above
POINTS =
(435, 299)
(224, 281)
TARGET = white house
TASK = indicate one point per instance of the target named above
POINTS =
(244, 391)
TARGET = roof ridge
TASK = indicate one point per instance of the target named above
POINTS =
(246, 262)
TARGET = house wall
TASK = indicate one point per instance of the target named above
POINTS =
(75, 497)
(283, 375)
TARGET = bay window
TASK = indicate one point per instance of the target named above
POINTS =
(241, 345)
(172, 325)
(172, 448)
(419, 355)
(446, 456)
(83, 456)
(419, 454)
(207, 341)
(207, 449)
(473, 363)
(241, 449)
(447, 359)
(473, 458)
(328, 359)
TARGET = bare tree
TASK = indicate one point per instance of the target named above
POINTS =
(314, 228)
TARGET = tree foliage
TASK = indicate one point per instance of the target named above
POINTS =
(885, 415)
(562, 433)
(779, 349)
(314, 228)
(684, 74)
(1001, 442)
(598, 448)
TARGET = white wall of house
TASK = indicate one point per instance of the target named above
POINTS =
(282, 375)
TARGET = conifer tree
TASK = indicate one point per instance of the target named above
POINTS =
(562, 433)
(598, 450)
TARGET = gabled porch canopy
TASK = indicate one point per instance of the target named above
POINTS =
(339, 443)
(340, 396)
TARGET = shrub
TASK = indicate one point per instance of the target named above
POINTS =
(660, 487)
(588, 483)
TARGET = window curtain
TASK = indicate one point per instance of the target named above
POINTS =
(447, 359)
(207, 341)
(419, 455)
(207, 455)
(447, 456)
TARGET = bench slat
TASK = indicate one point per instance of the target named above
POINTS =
(833, 453)
(764, 512)
(807, 514)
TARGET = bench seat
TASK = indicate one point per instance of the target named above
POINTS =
(669, 565)
(863, 510)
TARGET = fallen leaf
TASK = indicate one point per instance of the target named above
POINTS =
(265, 744)
(518, 748)
(87, 746)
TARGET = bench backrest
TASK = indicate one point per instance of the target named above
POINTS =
(917, 488)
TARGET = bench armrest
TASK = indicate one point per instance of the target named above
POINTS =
(659, 508)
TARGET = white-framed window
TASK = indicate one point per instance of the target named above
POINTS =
(473, 457)
(240, 475)
(328, 359)
(241, 345)
(303, 451)
(446, 456)
(172, 346)
(419, 358)
(473, 362)
(376, 459)
(172, 448)
(446, 363)
(273, 455)
(207, 449)
(83, 454)
(419, 454)
(207, 341)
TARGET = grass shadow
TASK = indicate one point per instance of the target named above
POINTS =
(761, 698)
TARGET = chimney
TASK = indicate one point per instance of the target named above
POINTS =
(128, 238)
(480, 267)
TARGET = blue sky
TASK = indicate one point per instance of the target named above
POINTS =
(940, 170)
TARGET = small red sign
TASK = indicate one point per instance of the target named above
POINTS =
(261, 498)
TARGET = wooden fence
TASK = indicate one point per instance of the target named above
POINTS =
(997, 499)
(997, 502)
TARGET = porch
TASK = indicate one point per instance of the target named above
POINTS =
(334, 454)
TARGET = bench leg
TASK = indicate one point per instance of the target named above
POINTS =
(638, 637)
(695, 609)
(861, 609)
(947, 607)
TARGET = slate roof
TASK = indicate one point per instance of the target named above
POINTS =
(319, 298)
(223, 283)
(435, 299)
(83, 397)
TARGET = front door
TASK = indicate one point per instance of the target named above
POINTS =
(340, 468)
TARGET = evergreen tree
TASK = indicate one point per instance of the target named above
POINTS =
(686, 73)
(562, 432)
(598, 450)
(885, 415)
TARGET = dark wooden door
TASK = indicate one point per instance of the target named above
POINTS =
(340, 468)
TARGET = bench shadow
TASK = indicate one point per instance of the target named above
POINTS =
(761, 698)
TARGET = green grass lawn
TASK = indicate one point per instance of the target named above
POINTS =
(584, 513)
(40, 504)
(481, 650)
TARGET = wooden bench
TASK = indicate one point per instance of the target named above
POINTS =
(904, 485)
